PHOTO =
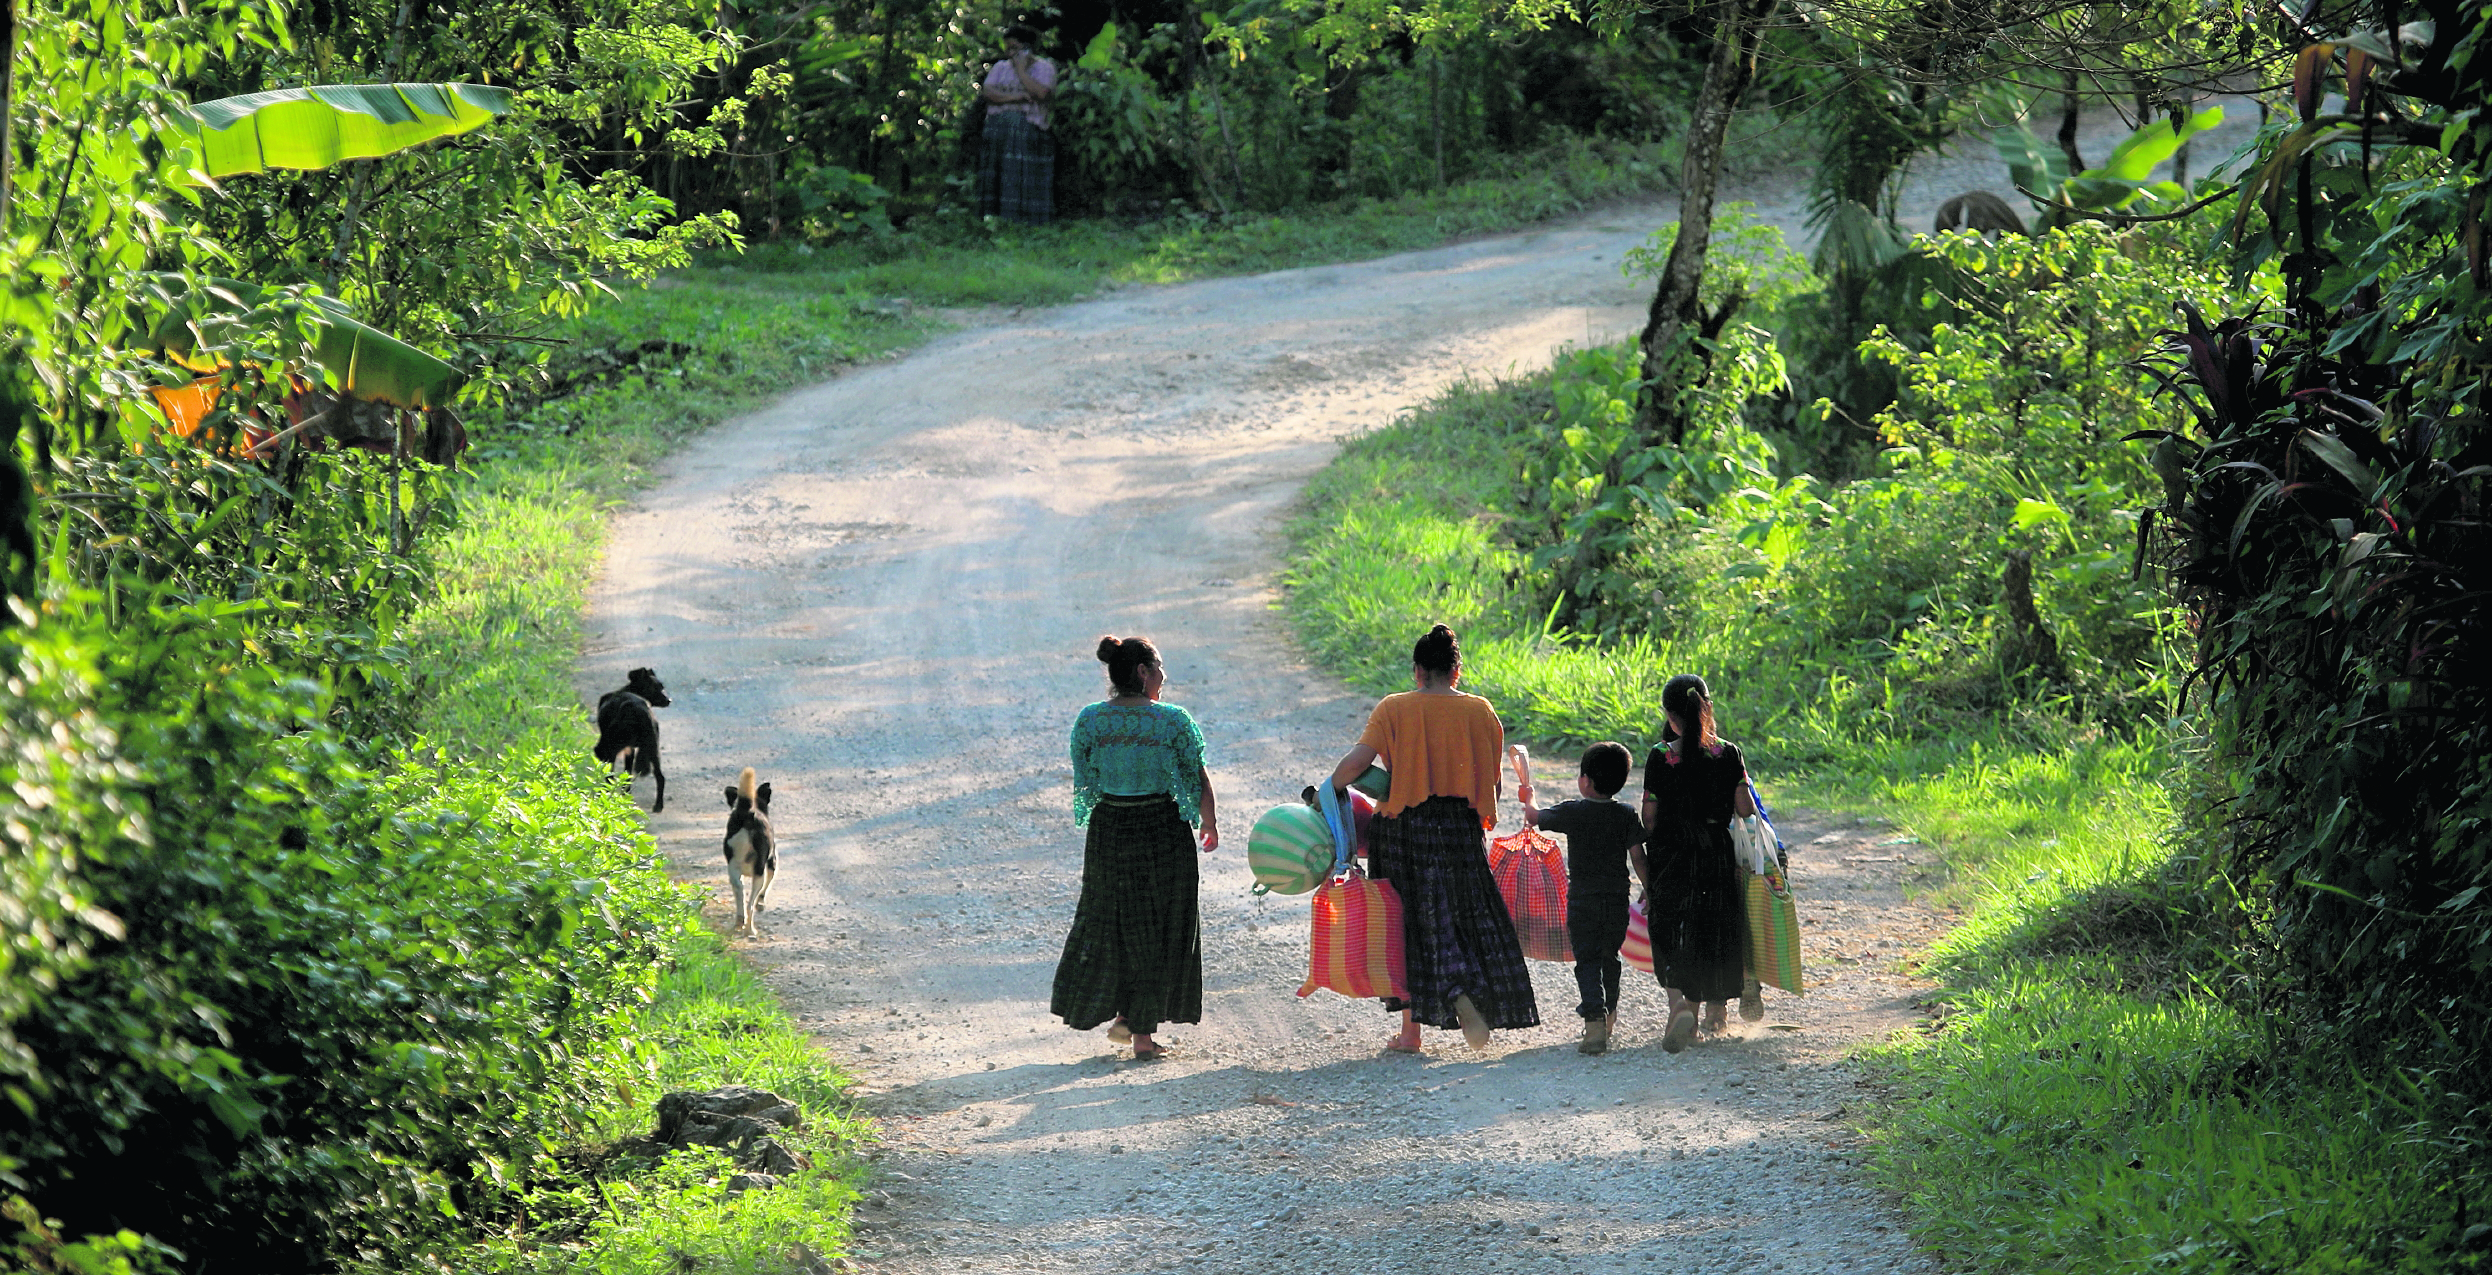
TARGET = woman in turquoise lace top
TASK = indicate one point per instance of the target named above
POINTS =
(1135, 956)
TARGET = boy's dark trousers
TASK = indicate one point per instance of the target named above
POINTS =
(1595, 927)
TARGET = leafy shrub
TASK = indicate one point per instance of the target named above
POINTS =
(2324, 511)
(297, 1000)
(832, 201)
(1598, 500)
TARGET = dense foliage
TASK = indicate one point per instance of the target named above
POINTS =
(2325, 526)
(333, 998)
(278, 979)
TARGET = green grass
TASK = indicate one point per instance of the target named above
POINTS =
(711, 1023)
(958, 262)
(2101, 1091)
(2056, 1125)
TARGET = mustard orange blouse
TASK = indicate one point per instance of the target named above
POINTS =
(1438, 746)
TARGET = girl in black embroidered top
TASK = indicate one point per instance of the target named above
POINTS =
(1694, 782)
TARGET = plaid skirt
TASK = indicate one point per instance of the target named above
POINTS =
(1016, 170)
(1456, 934)
(1698, 911)
(1137, 943)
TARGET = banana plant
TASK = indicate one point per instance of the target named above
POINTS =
(321, 126)
(309, 129)
(2121, 180)
(362, 361)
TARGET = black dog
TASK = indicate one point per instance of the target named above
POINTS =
(627, 732)
(750, 850)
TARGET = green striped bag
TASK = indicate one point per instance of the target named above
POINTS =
(1290, 849)
(1773, 932)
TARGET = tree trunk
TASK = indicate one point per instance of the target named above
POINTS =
(1677, 303)
(1237, 166)
(2068, 102)
(1436, 113)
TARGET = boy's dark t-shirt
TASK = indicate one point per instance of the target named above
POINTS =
(1598, 832)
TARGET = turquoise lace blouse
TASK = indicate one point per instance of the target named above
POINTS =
(1137, 751)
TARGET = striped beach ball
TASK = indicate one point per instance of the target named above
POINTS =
(1637, 951)
(1290, 849)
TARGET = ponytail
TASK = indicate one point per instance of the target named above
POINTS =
(1687, 698)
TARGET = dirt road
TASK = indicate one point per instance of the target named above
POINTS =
(883, 593)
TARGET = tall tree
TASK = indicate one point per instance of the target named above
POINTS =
(1671, 357)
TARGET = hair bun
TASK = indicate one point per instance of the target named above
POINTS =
(1108, 646)
(1440, 631)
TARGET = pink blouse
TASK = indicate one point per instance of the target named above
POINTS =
(1003, 76)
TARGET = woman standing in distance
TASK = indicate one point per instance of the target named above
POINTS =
(1694, 782)
(1016, 152)
(1135, 956)
(1443, 749)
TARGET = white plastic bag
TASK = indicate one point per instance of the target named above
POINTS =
(1752, 843)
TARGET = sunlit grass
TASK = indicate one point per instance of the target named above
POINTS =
(2057, 1126)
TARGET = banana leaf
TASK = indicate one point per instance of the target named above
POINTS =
(320, 126)
(361, 361)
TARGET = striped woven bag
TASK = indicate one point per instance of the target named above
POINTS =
(1773, 932)
(1355, 944)
(1531, 874)
(1637, 950)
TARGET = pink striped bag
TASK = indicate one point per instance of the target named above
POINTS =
(1637, 951)
(1355, 946)
(1531, 873)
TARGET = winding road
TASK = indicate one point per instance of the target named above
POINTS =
(883, 592)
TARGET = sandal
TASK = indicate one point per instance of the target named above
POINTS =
(1118, 1032)
(1474, 1024)
(1149, 1053)
(1398, 1045)
(1682, 1030)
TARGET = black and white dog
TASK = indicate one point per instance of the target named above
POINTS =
(750, 851)
(627, 732)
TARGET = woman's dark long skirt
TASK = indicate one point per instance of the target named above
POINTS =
(1016, 170)
(1456, 935)
(1137, 943)
(1698, 911)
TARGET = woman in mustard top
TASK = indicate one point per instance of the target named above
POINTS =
(1443, 749)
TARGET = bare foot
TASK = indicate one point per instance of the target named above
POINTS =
(1406, 1042)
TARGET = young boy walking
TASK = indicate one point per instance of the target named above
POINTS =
(1603, 842)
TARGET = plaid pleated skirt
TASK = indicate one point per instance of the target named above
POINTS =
(1697, 911)
(1137, 943)
(1456, 935)
(1016, 170)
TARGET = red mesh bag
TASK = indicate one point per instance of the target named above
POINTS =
(1531, 874)
(1355, 946)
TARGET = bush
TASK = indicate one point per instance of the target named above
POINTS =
(345, 992)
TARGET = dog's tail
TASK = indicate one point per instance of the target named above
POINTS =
(744, 783)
